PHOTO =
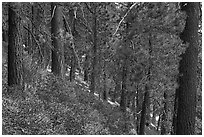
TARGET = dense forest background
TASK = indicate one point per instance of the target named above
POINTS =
(101, 68)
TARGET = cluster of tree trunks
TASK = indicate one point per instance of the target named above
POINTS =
(185, 97)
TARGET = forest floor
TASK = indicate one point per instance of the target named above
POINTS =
(52, 106)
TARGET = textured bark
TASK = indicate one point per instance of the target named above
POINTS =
(57, 37)
(14, 47)
(188, 66)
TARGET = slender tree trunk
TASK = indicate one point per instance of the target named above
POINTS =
(129, 99)
(73, 57)
(86, 68)
(159, 122)
(57, 40)
(117, 88)
(104, 82)
(139, 100)
(133, 109)
(145, 105)
(173, 132)
(188, 67)
(73, 67)
(154, 122)
(5, 35)
(94, 61)
(164, 125)
(123, 93)
(14, 47)
(143, 113)
(30, 43)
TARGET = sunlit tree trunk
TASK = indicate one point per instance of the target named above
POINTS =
(188, 66)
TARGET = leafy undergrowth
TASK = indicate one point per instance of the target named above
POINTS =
(57, 107)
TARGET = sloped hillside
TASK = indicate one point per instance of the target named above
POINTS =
(56, 107)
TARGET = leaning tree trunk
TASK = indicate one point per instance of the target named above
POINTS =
(14, 47)
(57, 40)
(188, 66)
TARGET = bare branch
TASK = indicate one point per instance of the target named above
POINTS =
(53, 12)
(73, 47)
(123, 18)
(35, 41)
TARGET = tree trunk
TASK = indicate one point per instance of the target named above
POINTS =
(117, 88)
(4, 35)
(104, 82)
(164, 116)
(94, 61)
(145, 104)
(14, 47)
(86, 68)
(73, 67)
(57, 41)
(159, 122)
(188, 66)
(123, 93)
(154, 113)
(143, 113)
(173, 130)
(139, 100)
